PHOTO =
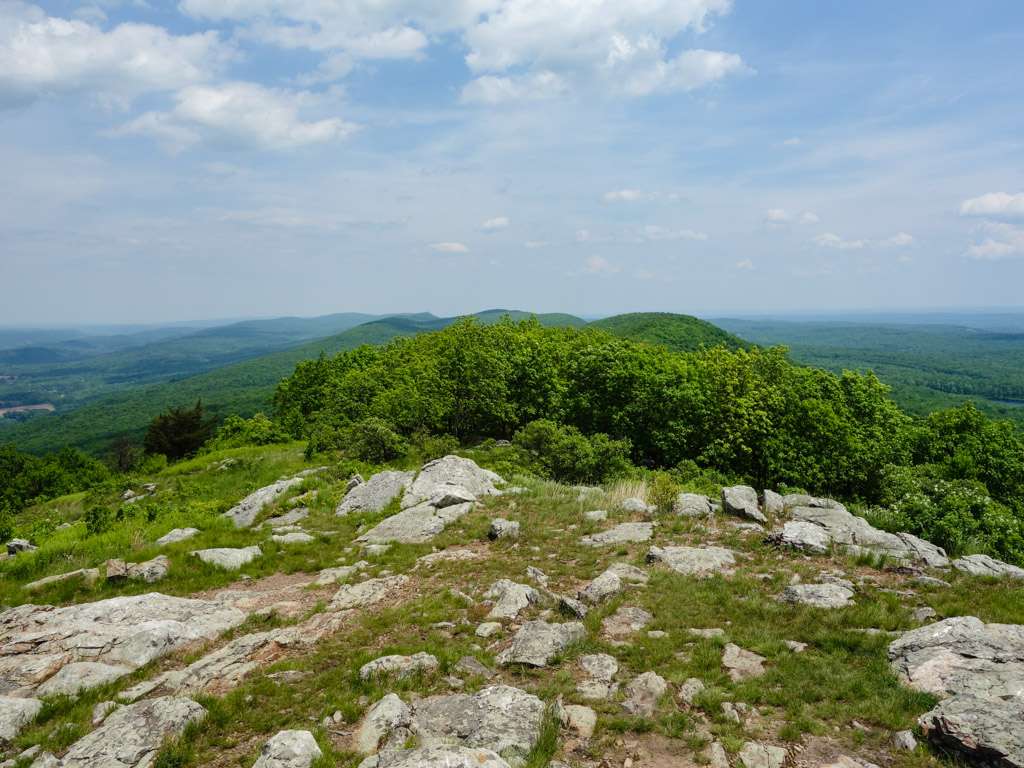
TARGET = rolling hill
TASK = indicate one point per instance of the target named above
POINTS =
(680, 333)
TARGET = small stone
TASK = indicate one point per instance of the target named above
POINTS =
(643, 694)
(227, 558)
(795, 646)
(636, 506)
(742, 664)
(730, 712)
(757, 755)
(657, 634)
(717, 756)
(116, 570)
(387, 715)
(293, 537)
(14, 546)
(580, 719)
(289, 749)
(605, 586)
(625, 621)
(689, 690)
(176, 535)
(624, 533)
(488, 628)
(924, 613)
(472, 667)
(595, 515)
(904, 740)
(399, 666)
(537, 575)
(572, 607)
(503, 529)
(708, 634)
(599, 666)
(537, 643)
(818, 595)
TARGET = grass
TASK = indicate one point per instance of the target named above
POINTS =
(842, 676)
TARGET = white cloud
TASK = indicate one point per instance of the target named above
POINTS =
(655, 232)
(831, 240)
(535, 244)
(994, 204)
(1004, 241)
(493, 225)
(793, 141)
(776, 216)
(244, 113)
(623, 196)
(745, 264)
(809, 217)
(583, 236)
(41, 54)
(900, 240)
(493, 90)
(450, 247)
(688, 71)
(780, 216)
(598, 265)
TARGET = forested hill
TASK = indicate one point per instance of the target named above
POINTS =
(680, 333)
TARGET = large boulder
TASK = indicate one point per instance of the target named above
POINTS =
(415, 525)
(741, 500)
(537, 643)
(625, 533)
(979, 668)
(289, 749)
(376, 493)
(807, 537)
(436, 478)
(692, 505)
(694, 561)
(229, 558)
(245, 512)
(983, 565)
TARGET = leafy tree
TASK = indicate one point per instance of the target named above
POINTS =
(570, 456)
(178, 432)
(236, 432)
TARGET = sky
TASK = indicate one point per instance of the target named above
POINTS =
(227, 158)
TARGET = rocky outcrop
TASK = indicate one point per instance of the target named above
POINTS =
(692, 505)
(80, 676)
(625, 533)
(510, 598)
(245, 512)
(537, 643)
(176, 535)
(398, 666)
(449, 757)
(441, 477)
(230, 559)
(415, 525)
(694, 561)
(980, 669)
(15, 714)
(741, 500)
(87, 575)
(826, 595)
(367, 592)
(983, 565)
(376, 493)
(289, 749)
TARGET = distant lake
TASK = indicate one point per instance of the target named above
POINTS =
(1011, 403)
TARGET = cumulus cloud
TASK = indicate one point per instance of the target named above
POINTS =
(598, 265)
(655, 232)
(688, 71)
(745, 265)
(994, 205)
(42, 54)
(900, 240)
(832, 240)
(450, 247)
(493, 90)
(493, 225)
(623, 196)
(779, 216)
(1003, 241)
(241, 113)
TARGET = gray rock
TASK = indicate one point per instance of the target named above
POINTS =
(791, 500)
(599, 666)
(15, 714)
(293, 537)
(537, 643)
(288, 518)
(101, 710)
(629, 574)
(741, 500)
(488, 628)
(757, 755)
(692, 505)
(80, 676)
(414, 525)
(399, 666)
(132, 735)
(694, 561)
(806, 537)
(151, 571)
(624, 533)
(537, 575)
(582, 720)
(773, 504)
(244, 514)
(605, 586)
(987, 734)
(367, 592)
(14, 546)
(636, 506)
(595, 690)
(643, 694)
(454, 471)
(330, 576)
(503, 529)
(904, 740)
(228, 558)
(289, 749)
(709, 633)
(570, 606)
(818, 595)
(472, 667)
(446, 756)
(983, 565)
(376, 494)
(510, 599)
(447, 556)
(717, 756)
(176, 535)
(690, 690)
(116, 570)
(595, 515)
(448, 495)
(88, 575)
(742, 664)
(924, 613)
(380, 722)
(626, 621)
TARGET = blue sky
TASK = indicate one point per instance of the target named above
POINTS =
(225, 158)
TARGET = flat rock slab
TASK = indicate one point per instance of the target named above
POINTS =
(537, 643)
(625, 622)
(88, 575)
(244, 514)
(289, 749)
(510, 599)
(293, 537)
(694, 561)
(742, 664)
(15, 714)
(176, 535)
(983, 565)
(818, 595)
(980, 668)
(399, 666)
(444, 757)
(366, 593)
(228, 558)
(692, 505)
(376, 493)
(36, 642)
(131, 735)
(624, 533)
(451, 471)
(288, 518)
(81, 676)
(415, 525)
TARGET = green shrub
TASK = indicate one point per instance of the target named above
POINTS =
(568, 455)
(374, 440)
(237, 432)
(98, 520)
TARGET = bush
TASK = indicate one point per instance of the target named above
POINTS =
(98, 520)
(374, 440)
(237, 432)
(568, 455)
(178, 432)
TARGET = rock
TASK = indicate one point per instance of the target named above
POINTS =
(570, 606)
(101, 710)
(80, 676)
(503, 529)
(796, 646)
(46, 760)
(595, 515)
(289, 749)
(537, 575)
(690, 690)
(537, 643)
(741, 500)
(116, 570)
(293, 537)
(983, 565)
(150, 571)
(757, 755)
(383, 718)
(456, 471)
(856, 535)
(330, 576)
(228, 558)
(15, 714)
(375, 495)
(36, 641)
(818, 595)
(595, 690)
(510, 599)
(980, 668)
(287, 519)
(353, 481)
(582, 720)
(600, 589)
(629, 574)
(450, 495)
(694, 561)
(488, 628)
(930, 581)
(904, 740)
(472, 667)
(415, 525)
(624, 622)
(176, 535)
(132, 735)
(14, 546)
(399, 666)
(599, 666)
(624, 533)
(244, 514)
(709, 633)
(924, 613)
(636, 506)
(742, 664)
(772, 504)
(717, 756)
(643, 693)
(375, 550)
(88, 575)
(806, 537)
(447, 556)
(367, 592)
(446, 756)
(791, 500)
(692, 505)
